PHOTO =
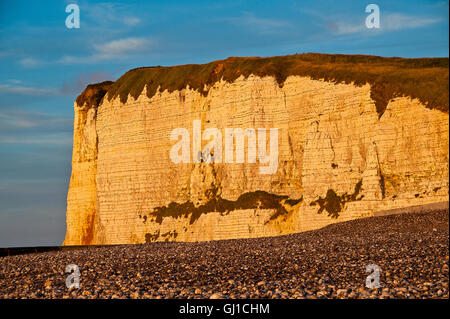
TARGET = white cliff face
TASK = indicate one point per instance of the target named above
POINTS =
(82, 196)
(337, 161)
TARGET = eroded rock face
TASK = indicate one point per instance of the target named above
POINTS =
(82, 196)
(337, 161)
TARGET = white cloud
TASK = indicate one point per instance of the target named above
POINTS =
(69, 59)
(388, 22)
(28, 127)
(23, 90)
(345, 28)
(115, 49)
(50, 139)
(110, 14)
(131, 21)
(257, 24)
(395, 21)
(14, 81)
(4, 53)
(30, 62)
(14, 119)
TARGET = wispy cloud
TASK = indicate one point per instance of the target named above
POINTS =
(30, 62)
(99, 21)
(24, 90)
(46, 140)
(115, 49)
(396, 21)
(15, 81)
(27, 127)
(388, 22)
(111, 14)
(131, 21)
(4, 53)
(345, 28)
(119, 49)
(19, 120)
(257, 24)
(78, 83)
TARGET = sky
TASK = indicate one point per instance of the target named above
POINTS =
(45, 66)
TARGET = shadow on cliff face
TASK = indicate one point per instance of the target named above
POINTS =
(168, 236)
(334, 204)
(249, 200)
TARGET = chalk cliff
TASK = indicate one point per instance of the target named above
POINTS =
(356, 135)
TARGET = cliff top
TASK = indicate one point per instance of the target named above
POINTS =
(93, 94)
(424, 78)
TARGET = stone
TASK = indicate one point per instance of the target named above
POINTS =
(135, 295)
(341, 292)
(261, 283)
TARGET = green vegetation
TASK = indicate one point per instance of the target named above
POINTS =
(424, 78)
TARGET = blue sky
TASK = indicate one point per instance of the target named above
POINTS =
(44, 66)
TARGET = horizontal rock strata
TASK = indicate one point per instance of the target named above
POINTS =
(339, 159)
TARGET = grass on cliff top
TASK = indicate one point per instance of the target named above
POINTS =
(424, 78)
(93, 94)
